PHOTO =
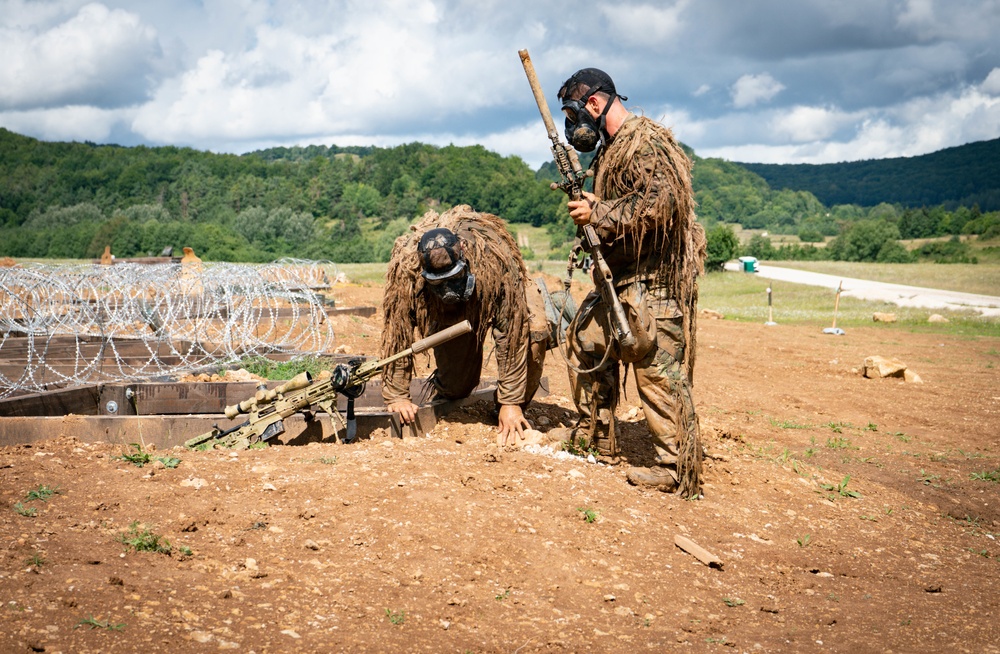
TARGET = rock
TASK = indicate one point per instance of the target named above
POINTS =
(912, 377)
(708, 314)
(936, 317)
(883, 317)
(342, 349)
(241, 375)
(194, 482)
(534, 437)
(310, 545)
(876, 367)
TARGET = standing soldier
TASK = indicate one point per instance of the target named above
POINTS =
(464, 265)
(642, 209)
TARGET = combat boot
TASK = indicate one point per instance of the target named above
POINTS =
(661, 478)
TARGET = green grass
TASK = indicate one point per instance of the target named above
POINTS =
(143, 540)
(139, 458)
(26, 511)
(992, 475)
(100, 624)
(589, 515)
(743, 298)
(42, 493)
(982, 278)
(268, 369)
(395, 617)
(840, 489)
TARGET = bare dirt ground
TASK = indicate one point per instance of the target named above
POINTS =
(850, 515)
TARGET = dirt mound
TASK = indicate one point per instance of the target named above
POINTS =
(850, 514)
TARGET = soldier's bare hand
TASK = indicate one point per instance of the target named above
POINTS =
(407, 410)
(512, 424)
(581, 210)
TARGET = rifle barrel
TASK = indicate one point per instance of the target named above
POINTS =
(536, 89)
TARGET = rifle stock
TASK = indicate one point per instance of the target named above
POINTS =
(267, 409)
(573, 179)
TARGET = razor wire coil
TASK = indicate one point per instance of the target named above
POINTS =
(67, 325)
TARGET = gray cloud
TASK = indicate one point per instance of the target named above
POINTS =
(768, 80)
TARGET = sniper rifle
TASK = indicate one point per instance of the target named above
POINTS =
(267, 409)
(573, 178)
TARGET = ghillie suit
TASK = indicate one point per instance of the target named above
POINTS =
(504, 300)
(646, 222)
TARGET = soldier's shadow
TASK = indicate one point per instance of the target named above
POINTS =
(635, 443)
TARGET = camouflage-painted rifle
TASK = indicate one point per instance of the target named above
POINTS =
(573, 178)
(267, 409)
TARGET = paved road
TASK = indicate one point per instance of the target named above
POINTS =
(900, 294)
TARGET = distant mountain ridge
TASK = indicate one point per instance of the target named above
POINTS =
(960, 176)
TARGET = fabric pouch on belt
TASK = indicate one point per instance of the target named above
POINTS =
(641, 319)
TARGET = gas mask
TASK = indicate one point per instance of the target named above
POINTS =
(444, 268)
(582, 132)
(453, 290)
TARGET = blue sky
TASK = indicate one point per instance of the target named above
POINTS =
(783, 81)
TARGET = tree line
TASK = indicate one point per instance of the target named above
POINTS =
(348, 204)
(966, 175)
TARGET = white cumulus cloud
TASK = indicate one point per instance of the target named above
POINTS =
(98, 57)
(991, 84)
(801, 124)
(644, 24)
(750, 90)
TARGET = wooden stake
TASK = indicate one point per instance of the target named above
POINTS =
(697, 551)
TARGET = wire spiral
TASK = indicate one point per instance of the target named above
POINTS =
(71, 325)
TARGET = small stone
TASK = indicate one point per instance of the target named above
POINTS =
(877, 366)
(936, 317)
(883, 317)
(310, 545)
(291, 633)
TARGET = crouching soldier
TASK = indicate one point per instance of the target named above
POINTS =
(455, 266)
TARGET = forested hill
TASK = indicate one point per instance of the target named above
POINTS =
(961, 176)
(348, 204)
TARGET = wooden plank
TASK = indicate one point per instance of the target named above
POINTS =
(84, 401)
(171, 431)
(182, 398)
(697, 551)
(364, 312)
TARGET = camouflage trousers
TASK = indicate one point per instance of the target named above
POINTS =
(657, 360)
(460, 360)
